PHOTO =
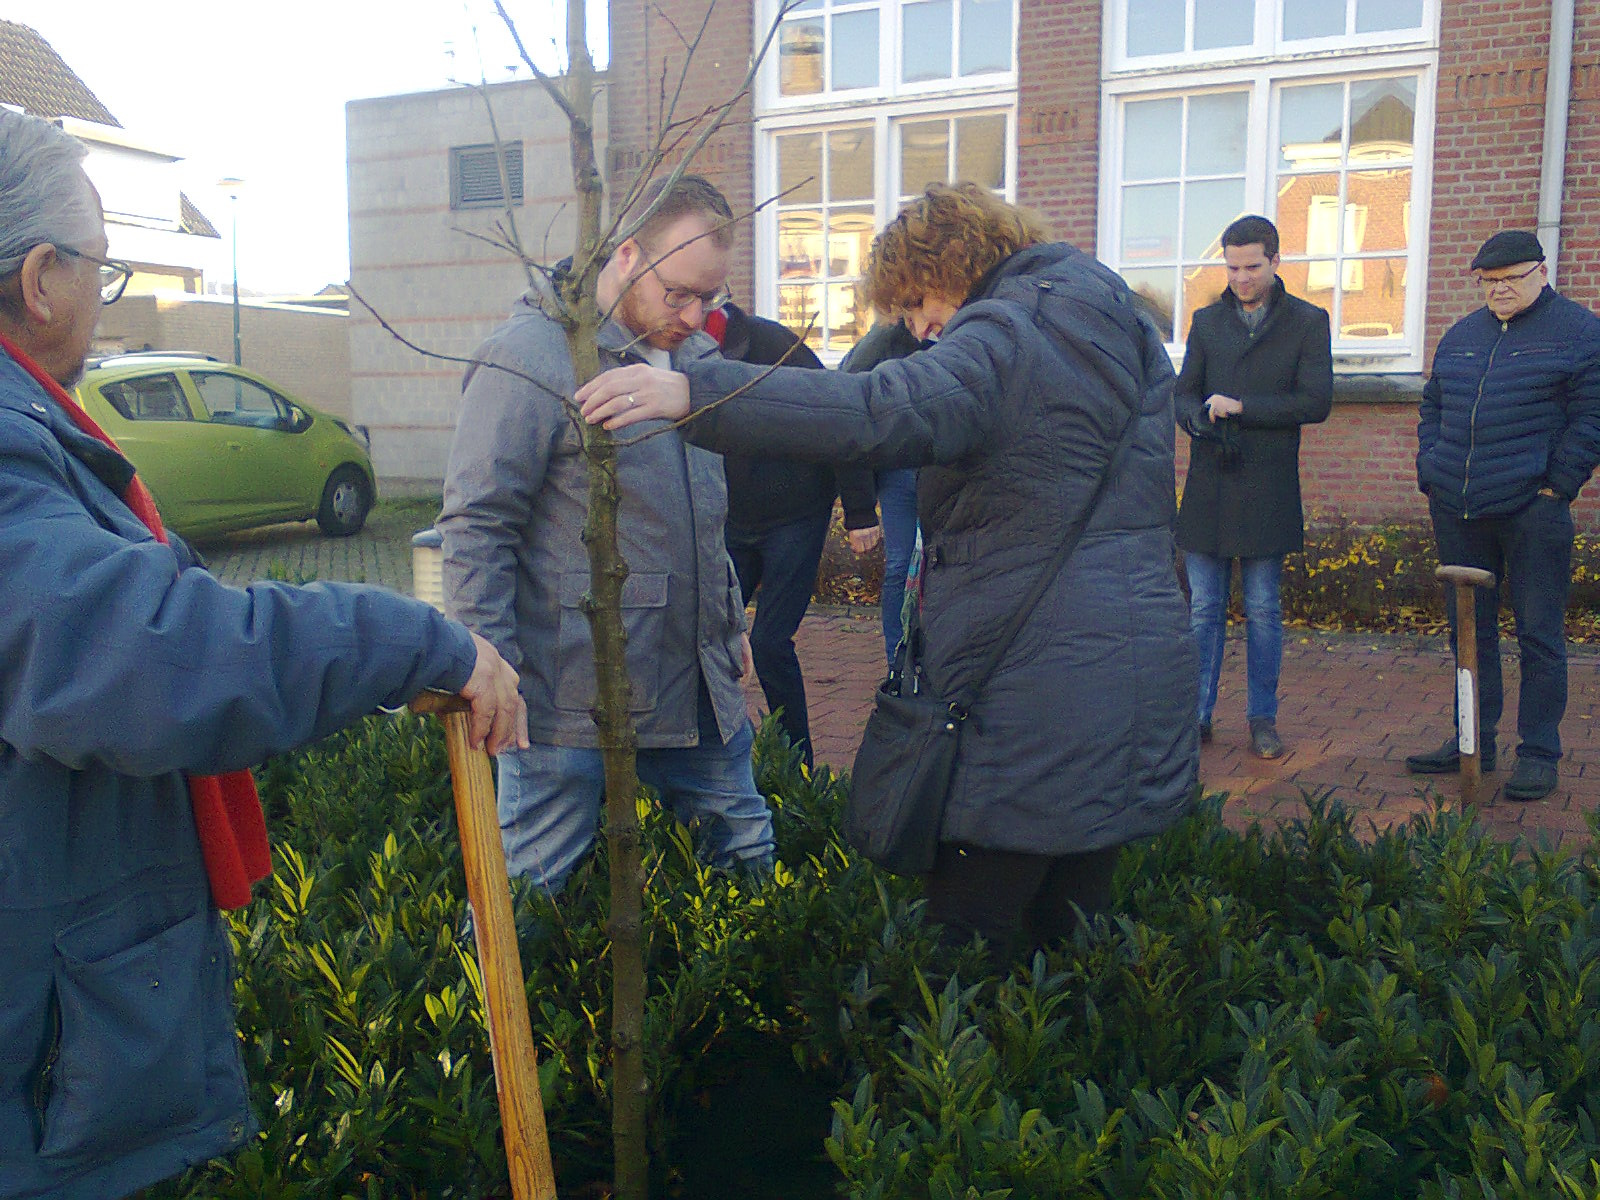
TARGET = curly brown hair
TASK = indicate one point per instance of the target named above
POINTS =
(942, 243)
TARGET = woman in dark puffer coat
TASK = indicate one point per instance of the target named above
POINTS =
(1083, 740)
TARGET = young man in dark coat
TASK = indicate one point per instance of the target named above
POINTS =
(1259, 365)
(1510, 432)
(778, 516)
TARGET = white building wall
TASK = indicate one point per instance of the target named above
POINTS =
(413, 261)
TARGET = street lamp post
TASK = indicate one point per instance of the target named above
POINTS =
(232, 186)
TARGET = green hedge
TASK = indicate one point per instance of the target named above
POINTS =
(1316, 1012)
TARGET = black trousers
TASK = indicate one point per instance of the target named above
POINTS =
(1018, 902)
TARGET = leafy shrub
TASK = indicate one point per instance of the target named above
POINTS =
(1303, 1013)
(1371, 579)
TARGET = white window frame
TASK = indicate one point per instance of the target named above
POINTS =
(890, 30)
(1261, 158)
(885, 174)
(1268, 45)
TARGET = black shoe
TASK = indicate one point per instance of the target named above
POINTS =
(1205, 731)
(1264, 740)
(1533, 779)
(1446, 760)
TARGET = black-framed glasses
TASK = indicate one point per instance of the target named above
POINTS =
(1490, 284)
(676, 297)
(114, 275)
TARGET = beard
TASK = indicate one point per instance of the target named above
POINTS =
(664, 332)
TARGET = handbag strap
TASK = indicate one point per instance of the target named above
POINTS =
(962, 704)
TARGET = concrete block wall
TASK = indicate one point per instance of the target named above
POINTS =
(305, 351)
(416, 261)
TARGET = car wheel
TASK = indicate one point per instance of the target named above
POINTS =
(346, 501)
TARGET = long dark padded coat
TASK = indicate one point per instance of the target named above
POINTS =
(1085, 737)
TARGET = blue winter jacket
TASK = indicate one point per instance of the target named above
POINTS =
(119, 668)
(1511, 407)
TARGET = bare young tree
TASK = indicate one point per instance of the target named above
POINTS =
(575, 306)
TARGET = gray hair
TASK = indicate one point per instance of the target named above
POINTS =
(44, 193)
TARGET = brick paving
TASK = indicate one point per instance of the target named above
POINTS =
(1353, 705)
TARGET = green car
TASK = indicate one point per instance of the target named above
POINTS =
(222, 449)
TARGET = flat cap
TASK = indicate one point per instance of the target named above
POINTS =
(1507, 248)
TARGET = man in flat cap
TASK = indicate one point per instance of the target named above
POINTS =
(1510, 432)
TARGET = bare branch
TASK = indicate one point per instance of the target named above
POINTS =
(722, 112)
(669, 115)
(565, 401)
(549, 85)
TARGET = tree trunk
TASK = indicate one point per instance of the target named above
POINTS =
(603, 607)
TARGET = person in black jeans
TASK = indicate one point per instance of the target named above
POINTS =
(778, 516)
(1510, 432)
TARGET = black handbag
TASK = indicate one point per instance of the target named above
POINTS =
(907, 758)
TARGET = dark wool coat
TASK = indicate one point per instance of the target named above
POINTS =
(766, 492)
(1512, 406)
(1241, 498)
(1085, 737)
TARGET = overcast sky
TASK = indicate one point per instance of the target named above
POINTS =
(257, 90)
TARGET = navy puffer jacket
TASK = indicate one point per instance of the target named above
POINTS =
(1511, 407)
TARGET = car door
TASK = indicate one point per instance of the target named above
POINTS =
(152, 421)
(250, 429)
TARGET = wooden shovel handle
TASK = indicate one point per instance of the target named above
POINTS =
(516, 1065)
(1471, 576)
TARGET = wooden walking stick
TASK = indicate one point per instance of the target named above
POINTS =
(1465, 580)
(516, 1065)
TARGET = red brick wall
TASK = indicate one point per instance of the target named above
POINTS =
(1058, 118)
(1486, 150)
(647, 60)
(1580, 243)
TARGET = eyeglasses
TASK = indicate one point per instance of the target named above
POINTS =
(677, 298)
(114, 275)
(1489, 284)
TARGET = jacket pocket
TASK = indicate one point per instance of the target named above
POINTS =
(131, 1063)
(644, 620)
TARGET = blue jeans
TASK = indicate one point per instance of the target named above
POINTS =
(782, 564)
(1208, 621)
(549, 802)
(1530, 551)
(897, 509)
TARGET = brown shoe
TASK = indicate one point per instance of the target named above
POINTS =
(1264, 740)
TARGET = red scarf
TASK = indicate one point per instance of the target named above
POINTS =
(227, 811)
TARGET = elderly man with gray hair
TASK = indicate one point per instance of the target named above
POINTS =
(135, 690)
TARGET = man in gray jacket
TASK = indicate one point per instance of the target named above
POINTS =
(515, 569)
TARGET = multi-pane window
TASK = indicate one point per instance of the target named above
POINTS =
(830, 206)
(826, 218)
(1183, 180)
(967, 148)
(930, 96)
(1307, 19)
(953, 39)
(828, 46)
(891, 47)
(1344, 199)
(1339, 182)
(1164, 30)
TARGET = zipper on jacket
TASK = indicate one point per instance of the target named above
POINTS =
(1472, 419)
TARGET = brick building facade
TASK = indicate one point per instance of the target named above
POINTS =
(1388, 138)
